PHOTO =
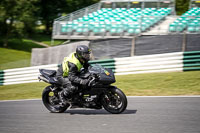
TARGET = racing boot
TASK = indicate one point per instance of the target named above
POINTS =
(62, 96)
(66, 93)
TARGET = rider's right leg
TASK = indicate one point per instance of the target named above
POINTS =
(68, 90)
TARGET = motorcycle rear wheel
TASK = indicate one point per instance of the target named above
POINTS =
(51, 102)
(114, 101)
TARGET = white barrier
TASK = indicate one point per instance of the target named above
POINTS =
(152, 71)
(24, 75)
(149, 63)
(140, 58)
(22, 82)
(133, 64)
(129, 65)
(31, 68)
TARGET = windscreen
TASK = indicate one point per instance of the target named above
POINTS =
(106, 76)
(96, 69)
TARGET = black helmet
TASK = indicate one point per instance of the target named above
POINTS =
(83, 52)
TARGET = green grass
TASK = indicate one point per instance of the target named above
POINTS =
(46, 39)
(22, 91)
(155, 84)
(21, 44)
(17, 54)
(10, 58)
(160, 84)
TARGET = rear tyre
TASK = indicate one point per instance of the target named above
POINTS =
(114, 101)
(51, 101)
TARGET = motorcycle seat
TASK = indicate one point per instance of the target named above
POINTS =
(48, 73)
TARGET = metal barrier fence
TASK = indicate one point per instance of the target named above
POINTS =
(72, 16)
(191, 61)
(23, 75)
(178, 61)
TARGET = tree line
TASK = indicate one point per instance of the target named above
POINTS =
(20, 18)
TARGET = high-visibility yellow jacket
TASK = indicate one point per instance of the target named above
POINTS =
(72, 58)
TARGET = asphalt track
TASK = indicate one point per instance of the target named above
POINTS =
(143, 115)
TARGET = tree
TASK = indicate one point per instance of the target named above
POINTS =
(8, 13)
(73, 5)
(16, 16)
(52, 9)
(28, 15)
(181, 6)
(49, 10)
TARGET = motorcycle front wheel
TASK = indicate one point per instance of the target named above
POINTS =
(114, 101)
(51, 101)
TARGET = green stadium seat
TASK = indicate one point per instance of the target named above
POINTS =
(86, 28)
(117, 21)
(66, 28)
(79, 30)
(172, 28)
(198, 28)
(180, 27)
(96, 30)
(191, 27)
(189, 21)
(116, 29)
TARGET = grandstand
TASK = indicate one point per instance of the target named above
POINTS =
(122, 28)
(189, 21)
(114, 19)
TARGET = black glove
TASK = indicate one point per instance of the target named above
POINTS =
(84, 82)
(91, 83)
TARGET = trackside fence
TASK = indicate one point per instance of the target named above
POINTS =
(23, 75)
(169, 62)
(191, 61)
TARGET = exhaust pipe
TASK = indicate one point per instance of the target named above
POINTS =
(41, 77)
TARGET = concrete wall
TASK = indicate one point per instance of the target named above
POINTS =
(53, 55)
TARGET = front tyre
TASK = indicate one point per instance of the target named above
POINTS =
(51, 101)
(114, 101)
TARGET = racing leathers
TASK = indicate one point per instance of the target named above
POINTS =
(68, 75)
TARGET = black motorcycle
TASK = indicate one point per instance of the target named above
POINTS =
(98, 93)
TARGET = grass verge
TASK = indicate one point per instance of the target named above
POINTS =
(21, 44)
(17, 54)
(10, 58)
(22, 91)
(155, 84)
(46, 39)
(160, 84)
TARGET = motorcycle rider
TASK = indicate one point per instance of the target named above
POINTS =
(68, 72)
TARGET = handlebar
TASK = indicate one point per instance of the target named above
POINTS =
(92, 82)
(93, 79)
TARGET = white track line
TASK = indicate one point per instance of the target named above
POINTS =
(19, 100)
(181, 96)
(195, 96)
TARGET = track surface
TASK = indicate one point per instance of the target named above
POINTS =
(143, 115)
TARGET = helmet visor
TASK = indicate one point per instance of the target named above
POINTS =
(86, 56)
